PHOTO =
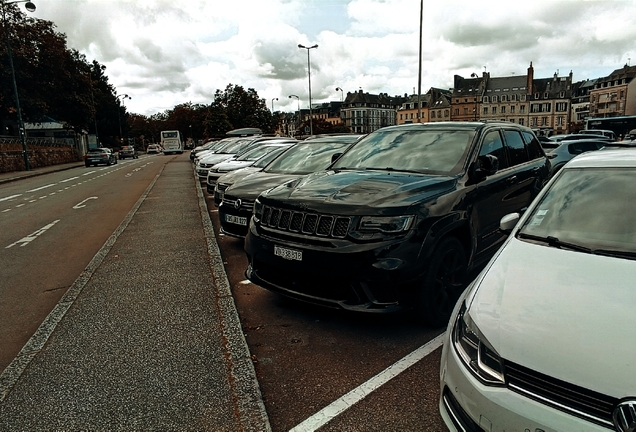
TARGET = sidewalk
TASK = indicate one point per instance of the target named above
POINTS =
(17, 175)
(147, 338)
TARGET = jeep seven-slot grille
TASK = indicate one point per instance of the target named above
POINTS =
(305, 223)
(578, 401)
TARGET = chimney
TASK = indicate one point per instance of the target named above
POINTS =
(529, 85)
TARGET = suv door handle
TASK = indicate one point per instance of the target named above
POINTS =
(512, 179)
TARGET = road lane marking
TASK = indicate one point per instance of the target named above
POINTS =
(69, 179)
(336, 408)
(81, 203)
(10, 197)
(28, 239)
(42, 187)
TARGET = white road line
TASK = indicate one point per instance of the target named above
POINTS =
(41, 187)
(336, 408)
(28, 239)
(81, 203)
(10, 197)
(69, 179)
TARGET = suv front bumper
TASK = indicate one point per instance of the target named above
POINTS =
(371, 277)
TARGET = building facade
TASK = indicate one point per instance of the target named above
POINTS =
(364, 113)
(615, 94)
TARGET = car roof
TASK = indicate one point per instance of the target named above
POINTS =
(625, 158)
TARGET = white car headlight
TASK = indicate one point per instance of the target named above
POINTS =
(476, 352)
(258, 209)
(385, 224)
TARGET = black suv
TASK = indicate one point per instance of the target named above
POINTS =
(398, 220)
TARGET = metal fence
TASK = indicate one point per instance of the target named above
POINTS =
(38, 142)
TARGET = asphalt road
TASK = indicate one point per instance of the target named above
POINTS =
(320, 369)
(52, 226)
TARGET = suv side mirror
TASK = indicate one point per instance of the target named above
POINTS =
(485, 166)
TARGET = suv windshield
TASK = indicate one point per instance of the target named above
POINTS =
(589, 209)
(306, 158)
(414, 150)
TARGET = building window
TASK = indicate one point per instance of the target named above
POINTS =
(494, 98)
(544, 121)
(446, 113)
(523, 98)
(512, 109)
(521, 121)
(503, 109)
(494, 110)
(457, 111)
(559, 121)
(485, 99)
(485, 110)
(533, 121)
(432, 114)
(465, 111)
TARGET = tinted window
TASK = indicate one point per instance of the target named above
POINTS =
(265, 160)
(516, 147)
(532, 145)
(493, 145)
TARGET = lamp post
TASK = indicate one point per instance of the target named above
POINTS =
(123, 98)
(31, 8)
(273, 99)
(341, 93)
(311, 126)
(298, 99)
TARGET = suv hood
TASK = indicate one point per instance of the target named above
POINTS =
(357, 191)
(566, 314)
(250, 187)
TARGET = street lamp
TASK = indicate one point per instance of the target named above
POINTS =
(123, 98)
(273, 99)
(341, 93)
(298, 99)
(311, 126)
(31, 8)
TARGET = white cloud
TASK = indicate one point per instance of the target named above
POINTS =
(167, 52)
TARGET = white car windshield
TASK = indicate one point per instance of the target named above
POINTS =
(590, 210)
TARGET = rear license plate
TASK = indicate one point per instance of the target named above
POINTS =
(237, 220)
(289, 254)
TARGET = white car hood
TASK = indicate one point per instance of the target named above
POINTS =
(569, 315)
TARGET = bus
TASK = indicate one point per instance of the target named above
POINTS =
(171, 142)
(621, 125)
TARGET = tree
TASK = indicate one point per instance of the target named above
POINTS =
(244, 108)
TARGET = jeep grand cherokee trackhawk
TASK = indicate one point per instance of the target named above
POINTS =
(398, 220)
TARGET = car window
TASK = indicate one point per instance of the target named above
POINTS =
(532, 145)
(517, 153)
(416, 150)
(492, 144)
(265, 160)
(306, 158)
(590, 208)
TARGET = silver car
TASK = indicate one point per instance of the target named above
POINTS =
(543, 340)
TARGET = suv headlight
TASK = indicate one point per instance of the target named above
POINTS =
(476, 352)
(385, 224)
(258, 209)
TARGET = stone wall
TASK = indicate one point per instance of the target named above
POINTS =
(12, 159)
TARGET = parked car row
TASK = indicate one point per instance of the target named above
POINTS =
(399, 219)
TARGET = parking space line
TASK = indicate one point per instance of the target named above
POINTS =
(336, 408)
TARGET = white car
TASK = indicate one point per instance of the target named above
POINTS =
(544, 339)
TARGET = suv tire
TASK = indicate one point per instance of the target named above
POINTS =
(443, 283)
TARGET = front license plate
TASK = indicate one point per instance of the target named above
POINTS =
(237, 220)
(289, 254)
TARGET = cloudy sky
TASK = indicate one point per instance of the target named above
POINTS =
(167, 52)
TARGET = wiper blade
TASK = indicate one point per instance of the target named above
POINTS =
(391, 169)
(615, 253)
(555, 242)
